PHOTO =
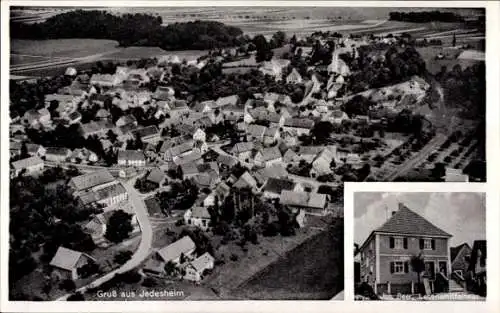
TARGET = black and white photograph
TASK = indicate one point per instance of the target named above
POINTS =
(420, 246)
(200, 152)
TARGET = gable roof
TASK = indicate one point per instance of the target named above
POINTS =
(203, 262)
(25, 163)
(241, 147)
(65, 258)
(92, 179)
(174, 250)
(276, 185)
(408, 222)
(156, 175)
(200, 212)
(454, 251)
(271, 153)
(299, 123)
(245, 180)
(131, 155)
(303, 199)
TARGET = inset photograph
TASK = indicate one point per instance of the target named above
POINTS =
(420, 246)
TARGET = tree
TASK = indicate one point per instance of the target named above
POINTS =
(68, 285)
(279, 38)
(418, 266)
(170, 268)
(122, 257)
(119, 226)
(264, 52)
(76, 297)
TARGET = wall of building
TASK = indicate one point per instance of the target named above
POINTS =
(441, 246)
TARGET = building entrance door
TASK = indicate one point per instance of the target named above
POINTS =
(429, 270)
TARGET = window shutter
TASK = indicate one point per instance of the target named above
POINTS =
(406, 267)
(391, 242)
(405, 243)
(392, 267)
(421, 242)
(433, 244)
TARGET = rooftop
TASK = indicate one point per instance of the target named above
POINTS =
(174, 250)
(92, 179)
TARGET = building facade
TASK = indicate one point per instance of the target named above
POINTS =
(386, 254)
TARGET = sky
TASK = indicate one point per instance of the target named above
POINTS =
(460, 214)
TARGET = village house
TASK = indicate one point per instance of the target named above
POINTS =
(35, 149)
(91, 181)
(274, 171)
(312, 203)
(177, 151)
(56, 154)
(99, 128)
(83, 155)
(74, 117)
(131, 158)
(243, 150)
(127, 172)
(274, 68)
(267, 157)
(294, 77)
(245, 181)
(386, 253)
(218, 194)
(204, 106)
(111, 194)
(194, 157)
(321, 163)
(156, 176)
(105, 80)
(222, 102)
(66, 263)
(273, 187)
(197, 216)
(196, 269)
(176, 252)
(460, 259)
(309, 153)
(301, 126)
(291, 156)
(148, 134)
(271, 135)
(32, 165)
(178, 109)
(126, 120)
(255, 132)
(199, 135)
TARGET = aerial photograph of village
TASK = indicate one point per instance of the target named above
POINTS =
(407, 249)
(200, 153)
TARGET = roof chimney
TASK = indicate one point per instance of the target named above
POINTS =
(401, 206)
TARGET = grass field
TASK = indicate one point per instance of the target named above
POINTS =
(310, 272)
(67, 48)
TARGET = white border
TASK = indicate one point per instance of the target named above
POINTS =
(491, 188)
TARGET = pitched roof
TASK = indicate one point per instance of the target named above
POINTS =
(65, 258)
(131, 155)
(223, 101)
(256, 130)
(299, 123)
(200, 212)
(110, 191)
(303, 199)
(25, 163)
(241, 147)
(156, 175)
(188, 158)
(146, 131)
(271, 153)
(226, 160)
(276, 185)
(203, 262)
(454, 251)
(92, 179)
(408, 222)
(174, 250)
(245, 180)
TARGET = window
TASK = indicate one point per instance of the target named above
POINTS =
(427, 244)
(399, 267)
(398, 243)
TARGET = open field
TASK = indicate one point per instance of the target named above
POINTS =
(68, 48)
(310, 271)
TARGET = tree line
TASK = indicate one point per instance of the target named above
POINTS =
(131, 30)
(425, 16)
